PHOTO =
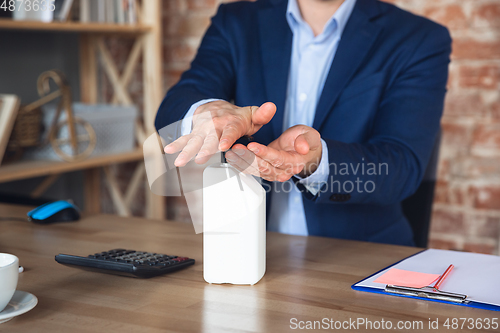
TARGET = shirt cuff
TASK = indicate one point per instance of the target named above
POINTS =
(187, 121)
(319, 177)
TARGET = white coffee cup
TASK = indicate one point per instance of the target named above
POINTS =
(9, 273)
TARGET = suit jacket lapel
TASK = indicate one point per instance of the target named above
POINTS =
(276, 50)
(357, 39)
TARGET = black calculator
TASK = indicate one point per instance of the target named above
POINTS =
(127, 262)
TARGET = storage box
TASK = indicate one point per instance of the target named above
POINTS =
(114, 126)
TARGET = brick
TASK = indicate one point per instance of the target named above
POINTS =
(201, 4)
(446, 193)
(177, 209)
(495, 109)
(485, 77)
(447, 221)
(474, 49)
(186, 26)
(443, 167)
(178, 51)
(464, 104)
(485, 197)
(486, 139)
(480, 248)
(441, 192)
(451, 16)
(489, 228)
(173, 7)
(455, 138)
(480, 167)
(487, 15)
(171, 77)
(436, 243)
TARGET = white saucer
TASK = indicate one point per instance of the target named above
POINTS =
(20, 303)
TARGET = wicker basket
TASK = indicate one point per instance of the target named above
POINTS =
(27, 129)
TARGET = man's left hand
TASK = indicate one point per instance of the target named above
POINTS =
(296, 152)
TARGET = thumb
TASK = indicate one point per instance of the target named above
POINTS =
(301, 145)
(307, 141)
(264, 114)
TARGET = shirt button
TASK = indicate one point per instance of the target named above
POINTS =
(302, 97)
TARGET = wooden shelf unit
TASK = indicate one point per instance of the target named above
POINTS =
(30, 169)
(93, 27)
(147, 42)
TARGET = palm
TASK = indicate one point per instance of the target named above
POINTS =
(288, 141)
(296, 152)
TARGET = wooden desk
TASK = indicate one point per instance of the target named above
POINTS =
(308, 278)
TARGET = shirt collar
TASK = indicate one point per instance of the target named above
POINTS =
(341, 16)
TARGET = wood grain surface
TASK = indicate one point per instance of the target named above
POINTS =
(92, 27)
(307, 278)
(35, 168)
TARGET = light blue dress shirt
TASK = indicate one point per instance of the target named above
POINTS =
(310, 63)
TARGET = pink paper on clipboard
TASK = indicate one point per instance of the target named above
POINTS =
(400, 277)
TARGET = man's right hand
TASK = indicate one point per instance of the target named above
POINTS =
(216, 126)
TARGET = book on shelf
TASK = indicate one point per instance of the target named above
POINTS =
(109, 11)
(65, 10)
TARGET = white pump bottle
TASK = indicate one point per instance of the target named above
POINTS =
(234, 226)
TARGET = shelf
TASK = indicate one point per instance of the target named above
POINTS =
(98, 28)
(30, 169)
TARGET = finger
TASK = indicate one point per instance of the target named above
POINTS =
(245, 155)
(263, 114)
(192, 148)
(240, 156)
(240, 164)
(208, 149)
(261, 166)
(288, 161)
(268, 172)
(257, 166)
(177, 145)
(230, 134)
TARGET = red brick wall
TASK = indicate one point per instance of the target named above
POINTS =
(467, 206)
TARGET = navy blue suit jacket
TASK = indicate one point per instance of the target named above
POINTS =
(381, 104)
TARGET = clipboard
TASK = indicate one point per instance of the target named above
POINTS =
(472, 284)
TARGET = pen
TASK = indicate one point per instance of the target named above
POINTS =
(441, 279)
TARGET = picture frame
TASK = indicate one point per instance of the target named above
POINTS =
(9, 105)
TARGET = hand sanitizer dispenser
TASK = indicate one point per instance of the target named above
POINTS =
(234, 226)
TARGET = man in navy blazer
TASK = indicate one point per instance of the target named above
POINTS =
(372, 126)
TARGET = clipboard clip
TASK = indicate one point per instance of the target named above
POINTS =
(427, 292)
